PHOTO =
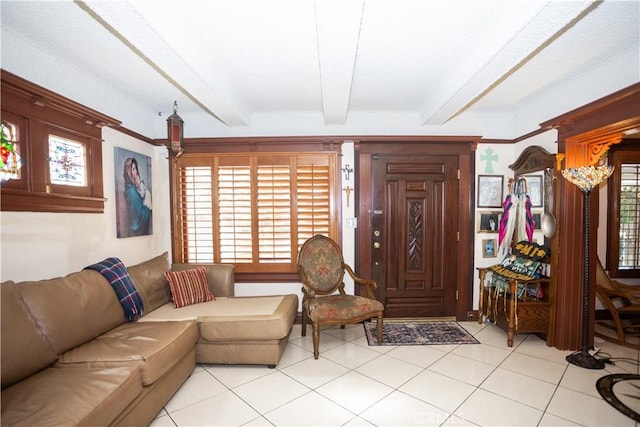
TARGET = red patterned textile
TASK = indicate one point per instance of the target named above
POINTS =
(189, 286)
(339, 307)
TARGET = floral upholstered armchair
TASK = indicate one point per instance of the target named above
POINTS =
(321, 270)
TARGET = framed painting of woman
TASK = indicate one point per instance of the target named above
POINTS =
(134, 209)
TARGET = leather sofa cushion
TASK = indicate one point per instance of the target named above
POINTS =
(74, 309)
(149, 279)
(24, 348)
(153, 347)
(237, 318)
(71, 397)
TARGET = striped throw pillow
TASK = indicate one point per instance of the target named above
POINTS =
(189, 286)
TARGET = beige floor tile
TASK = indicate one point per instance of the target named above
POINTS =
(354, 391)
(583, 409)
(497, 337)
(349, 333)
(355, 384)
(534, 367)
(350, 355)
(312, 409)
(419, 355)
(438, 390)
(389, 371)
(293, 354)
(235, 375)
(549, 420)
(314, 373)
(200, 386)
(489, 409)
(584, 380)
(225, 409)
(270, 391)
(163, 421)
(460, 368)
(482, 353)
(521, 388)
(399, 409)
(327, 341)
(536, 347)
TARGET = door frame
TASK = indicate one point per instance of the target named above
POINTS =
(464, 148)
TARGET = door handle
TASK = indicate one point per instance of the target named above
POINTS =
(376, 245)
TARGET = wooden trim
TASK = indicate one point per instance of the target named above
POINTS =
(46, 99)
(601, 113)
(580, 131)
(41, 112)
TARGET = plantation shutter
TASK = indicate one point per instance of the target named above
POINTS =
(235, 240)
(314, 199)
(274, 210)
(254, 211)
(195, 214)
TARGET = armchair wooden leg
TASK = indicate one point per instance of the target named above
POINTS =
(304, 323)
(316, 340)
(379, 327)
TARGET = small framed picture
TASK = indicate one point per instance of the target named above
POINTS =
(534, 187)
(489, 222)
(490, 191)
(537, 223)
(489, 248)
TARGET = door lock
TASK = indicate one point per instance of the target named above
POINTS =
(376, 233)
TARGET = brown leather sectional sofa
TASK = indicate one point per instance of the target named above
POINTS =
(69, 357)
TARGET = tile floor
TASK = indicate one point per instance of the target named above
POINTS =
(353, 384)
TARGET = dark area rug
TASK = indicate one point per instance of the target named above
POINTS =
(419, 333)
(622, 391)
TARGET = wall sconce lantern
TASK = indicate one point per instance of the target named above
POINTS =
(175, 126)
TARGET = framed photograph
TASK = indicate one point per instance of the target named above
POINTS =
(490, 189)
(134, 211)
(537, 221)
(489, 248)
(534, 186)
(489, 222)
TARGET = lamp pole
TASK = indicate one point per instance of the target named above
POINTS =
(583, 358)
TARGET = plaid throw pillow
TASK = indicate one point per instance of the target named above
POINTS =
(189, 286)
(116, 273)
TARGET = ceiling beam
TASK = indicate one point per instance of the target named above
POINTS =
(338, 34)
(553, 20)
(128, 26)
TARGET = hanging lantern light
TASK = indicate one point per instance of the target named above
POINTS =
(175, 126)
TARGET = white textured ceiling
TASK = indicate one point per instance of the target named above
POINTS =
(495, 68)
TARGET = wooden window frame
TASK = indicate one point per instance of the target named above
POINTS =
(38, 112)
(626, 151)
(199, 152)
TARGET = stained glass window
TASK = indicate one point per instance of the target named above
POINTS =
(10, 160)
(67, 162)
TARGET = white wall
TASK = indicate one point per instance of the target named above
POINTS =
(39, 245)
(507, 154)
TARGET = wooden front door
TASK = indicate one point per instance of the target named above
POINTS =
(413, 222)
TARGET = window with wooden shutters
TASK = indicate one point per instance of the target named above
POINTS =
(629, 253)
(254, 210)
(623, 226)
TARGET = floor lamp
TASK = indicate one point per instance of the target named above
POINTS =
(586, 179)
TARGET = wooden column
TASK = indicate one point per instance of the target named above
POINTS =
(584, 135)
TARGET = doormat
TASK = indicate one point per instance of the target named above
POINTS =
(418, 333)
